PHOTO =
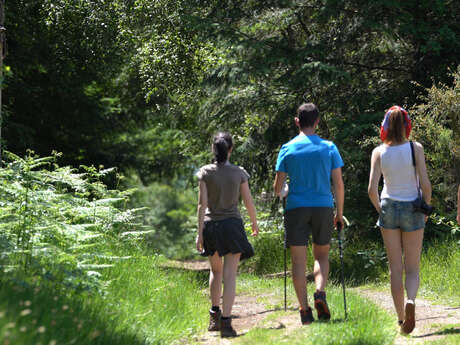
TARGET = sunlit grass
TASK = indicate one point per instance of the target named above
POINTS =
(440, 272)
(143, 304)
(366, 324)
(450, 332)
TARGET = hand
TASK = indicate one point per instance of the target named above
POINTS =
(338, 219)
(255, 230)
(284, 191)
(199, 243)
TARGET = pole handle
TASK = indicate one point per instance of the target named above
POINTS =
(339, 227)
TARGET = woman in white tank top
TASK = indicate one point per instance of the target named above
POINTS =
(401, 227)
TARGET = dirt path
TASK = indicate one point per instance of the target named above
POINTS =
(431, 319)
(247, 312)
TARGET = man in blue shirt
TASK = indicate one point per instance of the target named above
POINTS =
(310, 162)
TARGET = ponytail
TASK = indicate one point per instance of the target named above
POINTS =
(222, 143)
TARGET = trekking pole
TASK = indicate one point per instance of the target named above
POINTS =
(339, 229)
(285, 264)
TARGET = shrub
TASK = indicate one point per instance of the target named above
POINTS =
(55, 221)
(169, 214)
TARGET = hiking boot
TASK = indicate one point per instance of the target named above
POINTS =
(214, 317)
(321, 306)
(226, 329)
(409, 319)
(306, 316)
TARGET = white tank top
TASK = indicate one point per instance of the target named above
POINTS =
(399, 182)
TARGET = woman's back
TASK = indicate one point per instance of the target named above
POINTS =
(223, 189)
(398, 172)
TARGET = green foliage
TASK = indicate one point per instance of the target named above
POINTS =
(440, 271)
(54, 220)
(140, 306)
(169, 214)
(437, 127)
(268, 246)
(143, 85)
(61, 55)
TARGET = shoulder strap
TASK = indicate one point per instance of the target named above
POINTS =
(415, 170)
(412, 152)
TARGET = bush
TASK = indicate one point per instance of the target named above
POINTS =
(437, 127)
(169, 214)
(55, 221)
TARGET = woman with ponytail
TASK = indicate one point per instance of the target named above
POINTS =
(401, 223)
(220, 228)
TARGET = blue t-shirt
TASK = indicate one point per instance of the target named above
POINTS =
(308, 161)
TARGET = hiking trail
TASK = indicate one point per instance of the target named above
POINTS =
(433, 322)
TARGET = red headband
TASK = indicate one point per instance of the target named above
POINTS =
(386, 122)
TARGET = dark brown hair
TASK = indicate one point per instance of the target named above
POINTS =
(396, 128)
(307, 113)
(221, 144)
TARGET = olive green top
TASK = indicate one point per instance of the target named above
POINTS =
(223, 185)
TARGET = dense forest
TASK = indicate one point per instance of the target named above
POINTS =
(108, 109)
(142, 86)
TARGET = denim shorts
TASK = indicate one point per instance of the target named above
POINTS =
(400, 215)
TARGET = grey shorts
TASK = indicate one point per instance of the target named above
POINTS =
(400, 215)
(300, 222)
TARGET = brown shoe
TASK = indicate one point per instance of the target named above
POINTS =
(226, 329)
(321, 306)
(409, 319)
(214, 317)
(306, 316)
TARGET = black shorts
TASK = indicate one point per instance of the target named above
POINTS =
(300, 222)
(226, 236)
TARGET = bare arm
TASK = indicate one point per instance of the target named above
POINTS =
(374, 178)
(202, 205)
(280, 178)
(425, 184)
(249, 203)
(339, 193)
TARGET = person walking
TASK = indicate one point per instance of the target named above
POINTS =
(310, 162)
(400, 224)
(221, 230)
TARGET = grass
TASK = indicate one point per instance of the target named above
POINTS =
(366, 323)
(142, 304)
(451, 332)
(440, 272)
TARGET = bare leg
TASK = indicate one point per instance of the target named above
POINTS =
(215, 278)
(321, 268)
(412, 244)
(392, 241)
(299, 262)
(231, 262)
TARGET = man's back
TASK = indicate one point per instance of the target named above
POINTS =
(308, 161)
